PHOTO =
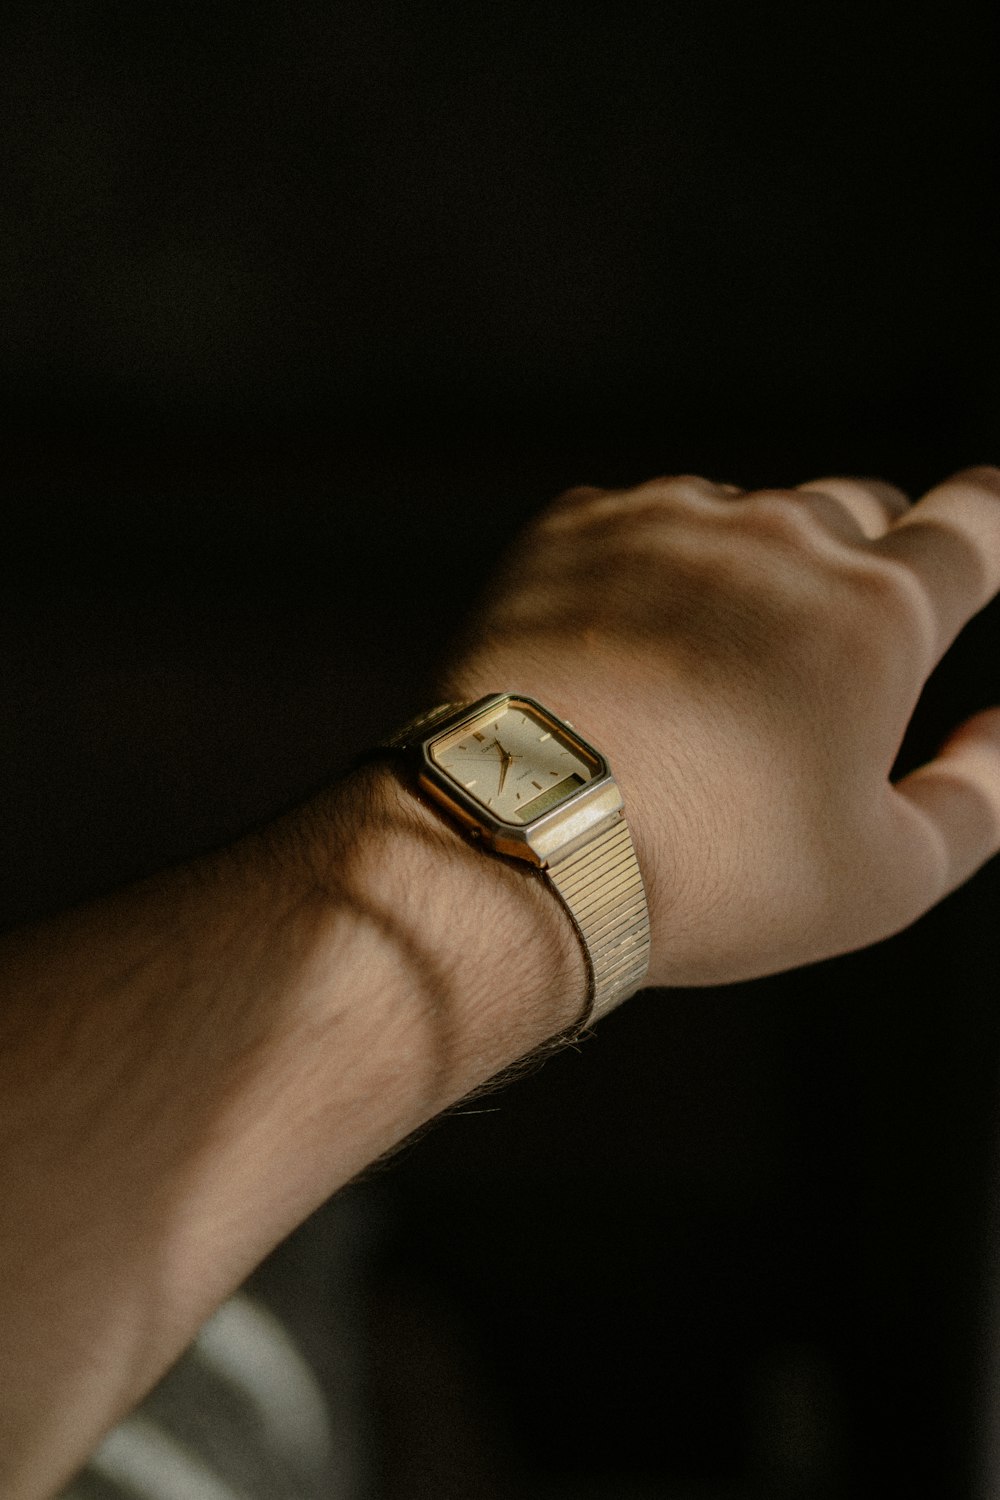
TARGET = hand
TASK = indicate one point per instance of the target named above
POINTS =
(749, 663)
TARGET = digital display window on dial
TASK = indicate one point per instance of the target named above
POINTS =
(514, 763)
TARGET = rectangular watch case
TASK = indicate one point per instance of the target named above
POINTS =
(553, 834)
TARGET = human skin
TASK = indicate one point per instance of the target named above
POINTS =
(190, 1067)
(749, 663)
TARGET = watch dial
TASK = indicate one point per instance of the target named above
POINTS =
(514, 763)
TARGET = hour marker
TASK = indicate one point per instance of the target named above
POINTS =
(477, 736)
(538, 784)
(544, 737)
(473, 781)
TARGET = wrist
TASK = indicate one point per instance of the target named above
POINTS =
(488, 961)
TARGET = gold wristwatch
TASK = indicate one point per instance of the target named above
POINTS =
(511, 773)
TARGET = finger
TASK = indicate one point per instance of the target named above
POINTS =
(870, 506)
(947, 811)
(950, 542)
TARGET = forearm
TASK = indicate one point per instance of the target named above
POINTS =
(189, 1068)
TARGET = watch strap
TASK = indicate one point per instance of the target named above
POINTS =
(415, 730)
(601, 887)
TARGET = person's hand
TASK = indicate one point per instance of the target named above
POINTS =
(749, 663)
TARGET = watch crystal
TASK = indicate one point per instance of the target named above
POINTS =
(515, 762)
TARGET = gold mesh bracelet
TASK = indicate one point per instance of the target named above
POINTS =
(600, 886)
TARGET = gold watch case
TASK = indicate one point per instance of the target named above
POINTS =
(557, 830)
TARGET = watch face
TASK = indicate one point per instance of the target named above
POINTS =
(516, 761)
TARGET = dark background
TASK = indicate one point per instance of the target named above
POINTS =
(306, 308)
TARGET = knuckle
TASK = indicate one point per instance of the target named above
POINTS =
(888, 600)
(884, 580)
(983, 476)
(676, 486)
(579, 492)
(870, 502)
(778, 515)
(571, 507)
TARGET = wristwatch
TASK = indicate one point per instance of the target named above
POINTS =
(514, 775)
